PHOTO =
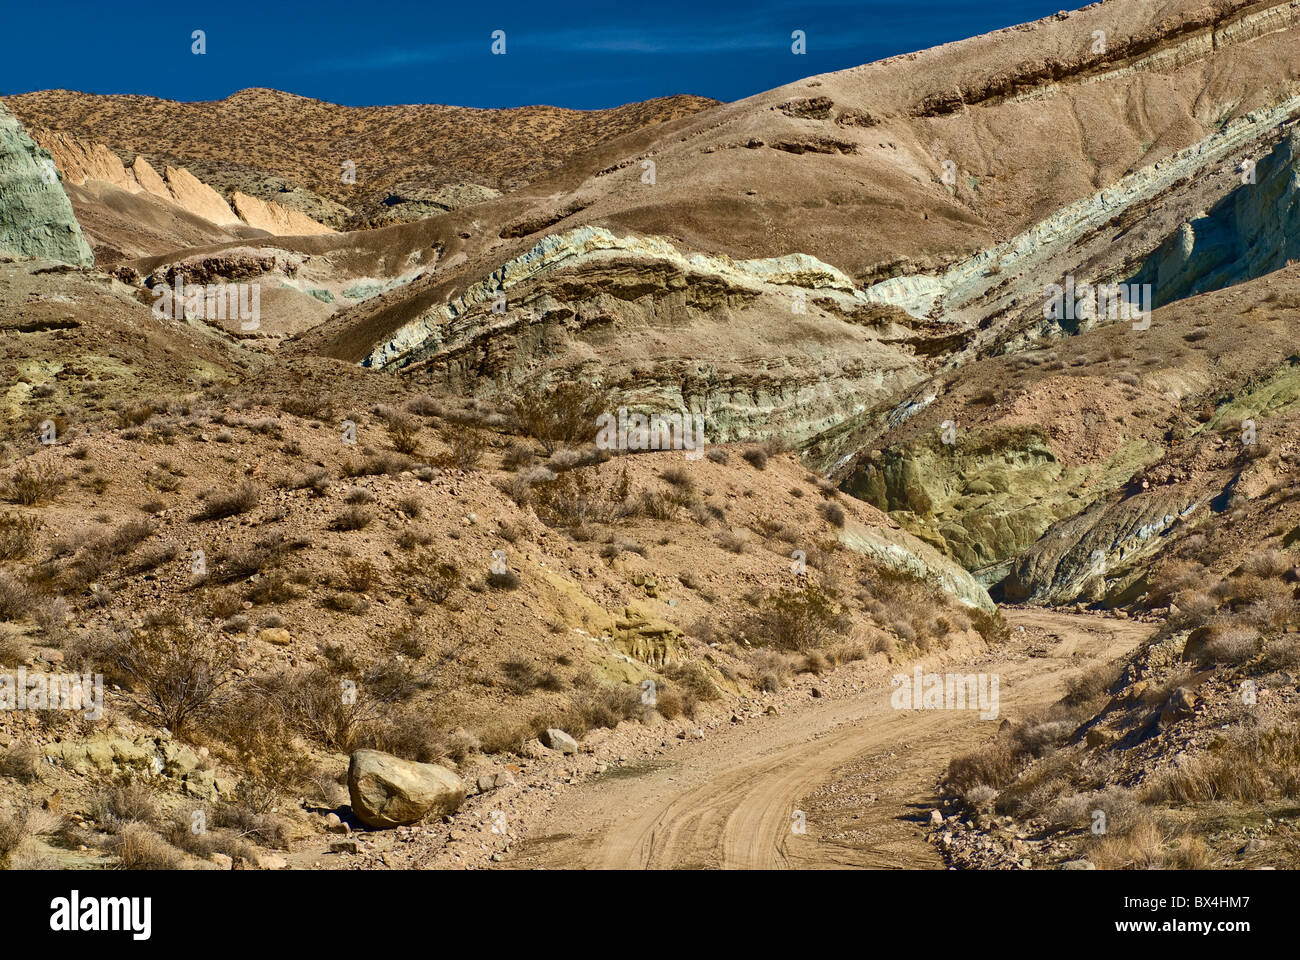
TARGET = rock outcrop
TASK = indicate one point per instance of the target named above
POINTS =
(81, 161)
(388, 792)
(1252, 231)
(275, 219)
(36, 218)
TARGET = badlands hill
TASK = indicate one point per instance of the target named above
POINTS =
(410, 161)
(845, 277)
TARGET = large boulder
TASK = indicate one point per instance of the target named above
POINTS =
(36, 218)
(388, 792)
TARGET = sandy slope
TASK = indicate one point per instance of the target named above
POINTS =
(727, 802)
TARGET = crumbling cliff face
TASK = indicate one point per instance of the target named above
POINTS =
(1252, 231)
(36, 218)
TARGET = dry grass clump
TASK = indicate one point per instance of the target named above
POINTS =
(20, 763)
(404, 434)
(351, 519)
(1244, 764)
(220, 504)
(1140, 843)
(139, 847)
(33, 483)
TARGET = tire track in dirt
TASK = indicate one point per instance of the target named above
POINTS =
(727, 802)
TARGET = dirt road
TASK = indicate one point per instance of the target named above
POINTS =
(861, 773)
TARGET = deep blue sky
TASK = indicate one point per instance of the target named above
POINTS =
(574, 54)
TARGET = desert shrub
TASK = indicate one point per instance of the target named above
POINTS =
(16, 597)
(141, 848)
(799, 620)
(563, 414)
(517, 455)
(315, 704)
(993, 765)
(412, 506)
(404, 434)
(575, 498)
(833, 513)
(359, 496)
(427, 576)
(121, 804)
(1245, 764)
(13, 830)
(219, 504)
(523, 676)
(16, 536)
(356, 574)
(1092, 683)
(317, 480)
(175, 672)
(466, 447)
(694, 679)
(1231, 644)
(756, 457)
(19, 763)
(351, 518)
(388, 463)
(33, 484)
(734, 541)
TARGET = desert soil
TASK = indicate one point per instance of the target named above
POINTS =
(862, 773)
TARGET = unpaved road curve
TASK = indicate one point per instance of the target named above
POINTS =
(727, 802)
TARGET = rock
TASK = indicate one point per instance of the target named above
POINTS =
(276, 635)
(936, 818)
(345, 846)
(334, 825)
(559, 740)
(1098, 738)
(1181, 705)
(1078, 865)
(271, 861)
(36, 218)
(275, 219)
(389, 792)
